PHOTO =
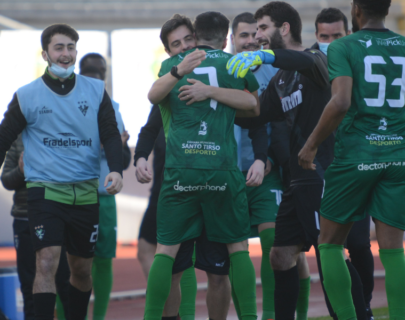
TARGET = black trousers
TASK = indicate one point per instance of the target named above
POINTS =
(26, 269)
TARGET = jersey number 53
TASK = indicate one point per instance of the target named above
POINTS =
(382, 81)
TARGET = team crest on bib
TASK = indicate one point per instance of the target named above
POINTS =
(82, 107)
(40, 232)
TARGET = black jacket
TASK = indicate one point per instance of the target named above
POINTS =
(13, 179)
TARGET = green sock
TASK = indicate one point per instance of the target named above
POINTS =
(337, 280)
(393, 261)
(244, 282)
(59, 309)
(267, 274)
(303, 299)
(158, 288)
(188, 285)
(234, 298)
(102, 274)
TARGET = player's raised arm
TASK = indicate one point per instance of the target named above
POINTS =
(166, 83)
(331, 117)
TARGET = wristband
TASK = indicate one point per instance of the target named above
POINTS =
(174, 73)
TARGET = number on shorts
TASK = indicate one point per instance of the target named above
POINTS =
(94, 235)
(278, 193)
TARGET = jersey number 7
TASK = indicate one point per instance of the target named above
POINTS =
(212, 79)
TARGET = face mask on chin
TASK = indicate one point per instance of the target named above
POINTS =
(323, 46)
(59, 71)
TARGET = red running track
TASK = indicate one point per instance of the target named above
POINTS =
(128, 276)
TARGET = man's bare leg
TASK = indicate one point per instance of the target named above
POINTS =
(47, 261)
(172, 304)
(44, 288)
(146, 254)
(218, 296)
(80, 286)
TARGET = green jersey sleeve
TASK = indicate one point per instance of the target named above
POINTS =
(164, 68)
(251, 83)
(338, 60)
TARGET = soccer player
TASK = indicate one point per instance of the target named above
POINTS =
(263, 200)
(210, 257)
(367, 107)
(331, 24)
(102, 268)
(293, 102)
(64, 117)
(201, 180)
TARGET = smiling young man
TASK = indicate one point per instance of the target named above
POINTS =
(293, 102)
(63, 117)
(367, 174)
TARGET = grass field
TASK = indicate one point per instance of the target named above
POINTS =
(378, 314)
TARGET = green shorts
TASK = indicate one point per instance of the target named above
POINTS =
(107, 228)
(264, 200)
(191, 199)
(351, 190)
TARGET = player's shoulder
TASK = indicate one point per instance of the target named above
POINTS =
(32, 84)
(218, 54)
(365, 40)
(216, 58)
(315, 52)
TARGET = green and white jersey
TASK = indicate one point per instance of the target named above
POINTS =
(201, 135)
(373, 129)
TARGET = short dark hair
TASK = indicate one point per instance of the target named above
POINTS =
(172, 24)
(331, 15)
(60, 28)
(92, 55)
(374, 8)
(211, 26)
(245, 17)
(91, 69)
(280, 12)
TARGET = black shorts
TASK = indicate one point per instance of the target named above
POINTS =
(53, 224)
(211, 257)
(297, 219)
(148, 227)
